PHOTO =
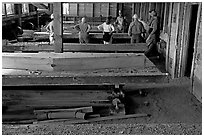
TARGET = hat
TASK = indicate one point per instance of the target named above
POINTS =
(135, 16)
(52, 16)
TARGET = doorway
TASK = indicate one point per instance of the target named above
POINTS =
(190, 46)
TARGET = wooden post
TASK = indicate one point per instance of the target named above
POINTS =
(20, 14)
(58, 26)
(169, 33)
(5, 10)
(38, 20)
(133, 9)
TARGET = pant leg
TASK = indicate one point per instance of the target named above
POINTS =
(151, 47)
(51, 37)
(86, 38)
(132, 40)
(138, 38)
(80, 38)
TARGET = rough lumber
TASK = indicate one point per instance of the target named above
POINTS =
(58, 26)
(66, 35)
(79, 121)
(86, 69)
(75, 47)
(17, 100)
(9, 81)
(72, 61)
(81, 109)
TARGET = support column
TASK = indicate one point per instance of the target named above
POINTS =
(58, 26)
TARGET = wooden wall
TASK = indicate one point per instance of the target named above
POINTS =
(177, 24)
(111, 9)
(197, 60)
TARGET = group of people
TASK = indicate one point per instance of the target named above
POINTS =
(138, 30)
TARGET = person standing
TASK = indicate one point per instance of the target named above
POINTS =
(153, 34)
(108, 30)
(119, 23)
(136, 30)
(83, 29)
(50, 29)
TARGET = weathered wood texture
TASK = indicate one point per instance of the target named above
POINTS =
(196, 73)
(74, 47)
(80, 121)
(58, 26)
(18, 100)
(78, 68)
(74, 79)
(72, 61)
(44, 36)
(23, 104)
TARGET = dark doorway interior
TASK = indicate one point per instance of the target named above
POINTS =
(192, 29)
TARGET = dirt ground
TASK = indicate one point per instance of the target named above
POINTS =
(173, 110)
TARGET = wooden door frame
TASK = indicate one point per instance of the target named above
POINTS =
(185, 39)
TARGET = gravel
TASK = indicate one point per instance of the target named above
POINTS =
(103, 129)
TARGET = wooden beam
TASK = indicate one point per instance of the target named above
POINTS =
(82, 109)
(81, 121)
(167, 62)
(20, 14)
(45, 36)
(73, 61)
(60, 80)
(75, 47)
(53, 101)
(58, 26)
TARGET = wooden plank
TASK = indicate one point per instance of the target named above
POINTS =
(20, 100)
(63, 113)
(9, 81)
(82, 109)
(75, 47)
(177, 82)
(75, 121)
(167, 60)
(179, 40)
(45, 36)
(72, 61)
(98, 63)
(58, 26)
